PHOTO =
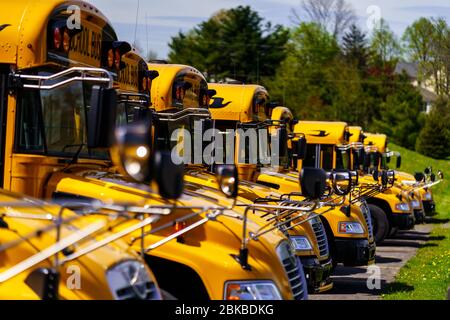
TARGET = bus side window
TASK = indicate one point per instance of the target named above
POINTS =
(30, 132)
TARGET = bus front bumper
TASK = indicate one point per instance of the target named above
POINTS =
(403, 221)
(430, 207)
(419, 216)
(355, 252)
(318, 274)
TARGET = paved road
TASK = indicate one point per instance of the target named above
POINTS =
(351, 283)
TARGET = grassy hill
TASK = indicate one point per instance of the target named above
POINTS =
(414, 162)
(427, 275)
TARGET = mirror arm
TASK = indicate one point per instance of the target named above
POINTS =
(177, 234)
(50, 251)
(114, 237)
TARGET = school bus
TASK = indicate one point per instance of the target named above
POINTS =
(392, 209)
(352, 233)
(376, 146)
(29, 226)
(32, 38)
(56, 142)
(246, 107)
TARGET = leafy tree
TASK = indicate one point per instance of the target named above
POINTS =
(400, 115)
(427, 42)
(355, 47)
(434, 139)
(418, 40)
(384, 44)
(303, 80)
(234, 43)
(441, 59)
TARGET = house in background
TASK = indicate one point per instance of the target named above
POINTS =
(426, 87)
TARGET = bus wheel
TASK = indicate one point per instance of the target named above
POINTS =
(380, 223)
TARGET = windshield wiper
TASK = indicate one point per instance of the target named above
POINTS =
(76, 156)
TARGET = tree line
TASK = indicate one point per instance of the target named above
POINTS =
(327, 68)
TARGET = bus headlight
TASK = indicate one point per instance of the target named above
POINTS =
(350, 228)
(130, 280)
(301, 243)
(251, 290)
(415, 204)
(403, 206)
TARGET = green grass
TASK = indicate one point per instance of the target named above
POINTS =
(414, 162)
(427, 275)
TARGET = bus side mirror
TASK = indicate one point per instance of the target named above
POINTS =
(299, 148)
(313, 182)
(366, 160)
(399, 162)
(283, 136)
(377, 159)
(227, 178)
(419, 176)
(347, 136)
(384, 178)
(375, 175)
(102, 118)
(44, 282)
(169, 177)
(440, 175)
(432, 177)
(132, 155)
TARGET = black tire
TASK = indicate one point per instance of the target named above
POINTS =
(380, 223)
(167, 295)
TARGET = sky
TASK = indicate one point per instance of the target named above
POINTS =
(159, 20)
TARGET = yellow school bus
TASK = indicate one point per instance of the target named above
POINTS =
(180, 98)
(36, 42)
(392, 209)
(29, 227)
(327, 143)
(54, 146)
(376, 146)
(246, 107)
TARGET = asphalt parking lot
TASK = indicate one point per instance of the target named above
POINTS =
(350, 283)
